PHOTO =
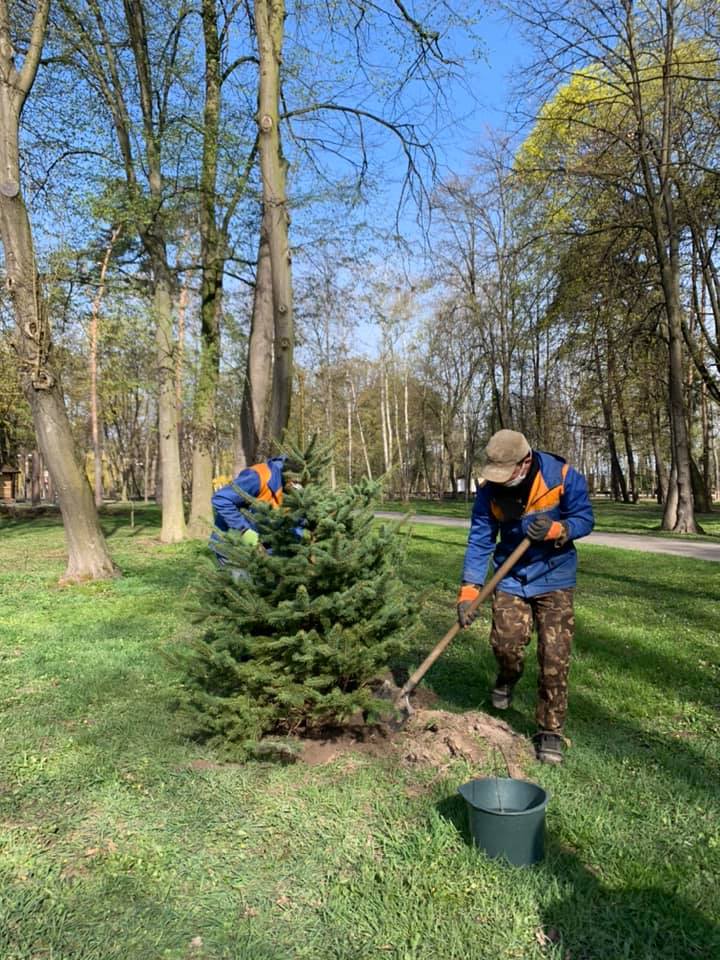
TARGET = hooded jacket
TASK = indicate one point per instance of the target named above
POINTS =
(556, 490)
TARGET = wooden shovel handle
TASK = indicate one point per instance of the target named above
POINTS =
(441, 646)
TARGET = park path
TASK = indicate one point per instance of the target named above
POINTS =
(696, 549)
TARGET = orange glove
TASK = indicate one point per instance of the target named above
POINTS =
(468, 593)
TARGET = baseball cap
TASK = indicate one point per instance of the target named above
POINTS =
(504, 451)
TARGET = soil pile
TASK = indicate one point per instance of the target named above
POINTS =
(431, 738)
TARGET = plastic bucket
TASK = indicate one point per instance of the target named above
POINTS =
(507, 818)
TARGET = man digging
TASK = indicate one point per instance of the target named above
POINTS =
(528, 493)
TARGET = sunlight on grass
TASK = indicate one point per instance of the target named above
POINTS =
(123, 838)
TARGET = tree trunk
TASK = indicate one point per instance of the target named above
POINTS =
(671, 500)
(269, 25)
(656, 161)
(94, 333)
(173, 518)
(361, 431)
(683, 520)
(35, 483)
(707, 448)
(88, 556)
(252, 441)
(617, 478)
(204, 406)
(660, 471)
(699, 492)
(212, 260)
(152, 231)
(180, 357)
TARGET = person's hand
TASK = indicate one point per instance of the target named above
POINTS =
(543, 527)
(468, 593)
(249, 538)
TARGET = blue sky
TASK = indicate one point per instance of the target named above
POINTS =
(487, 104)
(492, 83)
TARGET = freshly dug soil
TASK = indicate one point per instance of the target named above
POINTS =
(432, 738)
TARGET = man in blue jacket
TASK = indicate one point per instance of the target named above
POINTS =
(266, 482)
(535, 494)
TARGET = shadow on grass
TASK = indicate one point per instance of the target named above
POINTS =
(659, 593)
(608, 651)
(453, 809)
(110, 522)
(606, 733)
(592, 921)
(463, 677)
(596, 922)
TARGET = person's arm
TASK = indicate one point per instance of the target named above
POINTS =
(228, 502)
(481, 540)
(576, 511)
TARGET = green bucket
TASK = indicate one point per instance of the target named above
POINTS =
(507, 818)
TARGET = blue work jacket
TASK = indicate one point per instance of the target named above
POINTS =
(557, 491)
(263, 481)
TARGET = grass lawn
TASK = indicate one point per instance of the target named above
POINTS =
(610, 517)
(121, 838)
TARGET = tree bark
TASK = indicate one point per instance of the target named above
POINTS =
(660, 470)
(212, 259)
(88, 556)
(252, 439)
(173, 517)
(94, 335)
(617, 478)
(682, 518)
(269, 26)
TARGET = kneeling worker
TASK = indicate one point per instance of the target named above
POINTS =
(535, 494)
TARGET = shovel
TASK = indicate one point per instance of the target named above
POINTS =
(402, 701)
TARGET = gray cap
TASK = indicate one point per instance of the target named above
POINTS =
(504, 451)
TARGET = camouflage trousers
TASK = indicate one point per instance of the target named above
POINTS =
(554, 618)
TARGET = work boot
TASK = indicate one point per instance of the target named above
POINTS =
(548, 746)
(501, 695)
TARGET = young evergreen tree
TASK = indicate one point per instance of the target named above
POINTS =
(298, 628)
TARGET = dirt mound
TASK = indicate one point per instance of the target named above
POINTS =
(431, 738)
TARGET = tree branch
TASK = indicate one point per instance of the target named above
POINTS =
(32, 58)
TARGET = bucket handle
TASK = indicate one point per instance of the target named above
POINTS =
(498, 749)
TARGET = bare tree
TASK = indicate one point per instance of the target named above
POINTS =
(622, 103)
(90, 36)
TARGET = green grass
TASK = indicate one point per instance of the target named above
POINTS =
(610, 517)
(121, 838)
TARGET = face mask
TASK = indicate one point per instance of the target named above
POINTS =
(517, 481)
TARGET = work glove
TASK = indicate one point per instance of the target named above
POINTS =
(468, 593)
(543, 527)
(249, 538)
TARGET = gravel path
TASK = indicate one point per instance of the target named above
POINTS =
(697, 549)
